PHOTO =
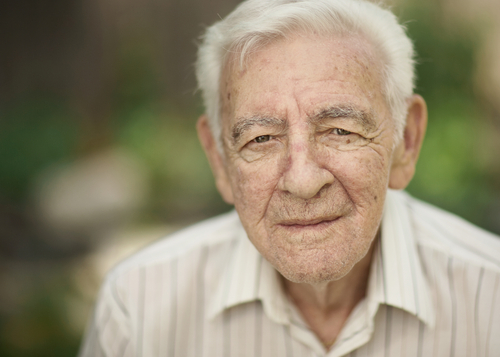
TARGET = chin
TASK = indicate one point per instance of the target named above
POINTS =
(312, 267)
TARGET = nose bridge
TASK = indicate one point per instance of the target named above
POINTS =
(301, 152)
(305, 174)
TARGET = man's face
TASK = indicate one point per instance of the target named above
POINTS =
(308, 144)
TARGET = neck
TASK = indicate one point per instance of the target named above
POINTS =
(326, 306)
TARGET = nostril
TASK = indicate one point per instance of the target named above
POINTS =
(323, 189)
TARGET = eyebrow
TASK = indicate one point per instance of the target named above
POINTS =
(244, 124)
(364, 118)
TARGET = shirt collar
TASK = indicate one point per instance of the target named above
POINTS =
(248, 277)
(396, 275)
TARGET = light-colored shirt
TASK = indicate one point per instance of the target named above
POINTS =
(433, 290)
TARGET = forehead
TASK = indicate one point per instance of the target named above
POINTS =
(304, 72)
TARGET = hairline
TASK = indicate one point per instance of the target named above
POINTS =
(238, 59)
(387, 38)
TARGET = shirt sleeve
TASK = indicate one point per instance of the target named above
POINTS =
(109, 331)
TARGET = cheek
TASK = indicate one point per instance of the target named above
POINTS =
(254, 183)
(365, 177)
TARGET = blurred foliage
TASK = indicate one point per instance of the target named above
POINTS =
(38, 324)
(454, 171)
(34, 133)
(181, 179)
(162, 134)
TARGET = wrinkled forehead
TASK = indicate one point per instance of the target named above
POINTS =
(361, 60)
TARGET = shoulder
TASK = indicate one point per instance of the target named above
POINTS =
(171, 277)
(449, 234)
(212, 233)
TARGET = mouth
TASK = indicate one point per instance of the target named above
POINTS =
(319, 223)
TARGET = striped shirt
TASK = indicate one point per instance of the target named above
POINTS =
(433, 290)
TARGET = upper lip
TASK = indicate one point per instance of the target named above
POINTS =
(306, 222)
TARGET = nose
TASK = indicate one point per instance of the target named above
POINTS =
(305, 175)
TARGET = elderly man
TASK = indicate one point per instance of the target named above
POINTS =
(311, 117)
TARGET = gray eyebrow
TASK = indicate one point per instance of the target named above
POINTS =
(366, 119)
(244, 124)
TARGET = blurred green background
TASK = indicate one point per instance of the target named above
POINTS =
(99, 156)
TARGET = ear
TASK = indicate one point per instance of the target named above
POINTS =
(406, 153)
(215, 159)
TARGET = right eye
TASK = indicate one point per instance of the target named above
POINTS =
(262, 138)
(341, 132)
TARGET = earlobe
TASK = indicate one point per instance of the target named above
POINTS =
(406, 153)
(215, 159)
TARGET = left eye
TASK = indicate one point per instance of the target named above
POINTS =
(339, 131)
(262, 138)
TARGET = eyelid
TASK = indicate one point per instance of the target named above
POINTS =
(346, 123)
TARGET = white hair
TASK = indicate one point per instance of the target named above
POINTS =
(255, 23)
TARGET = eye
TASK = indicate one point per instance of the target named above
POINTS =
(262, 138)
(339, 131)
